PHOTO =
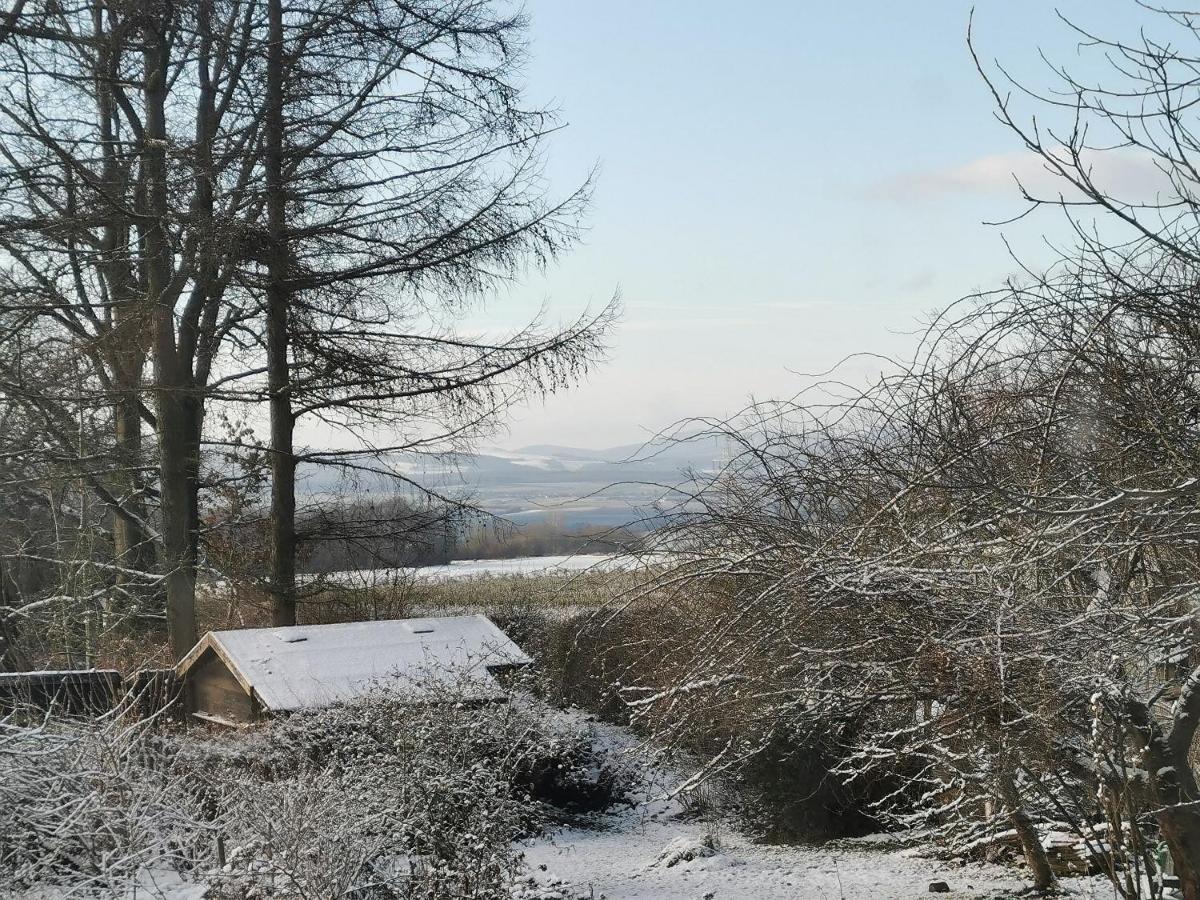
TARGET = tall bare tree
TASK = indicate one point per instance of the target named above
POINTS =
(402, 182)
(127, 151)
(237, 201)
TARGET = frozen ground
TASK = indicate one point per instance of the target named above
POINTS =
(619, 863)
(639, 854)
(150, 884)
(476, 568)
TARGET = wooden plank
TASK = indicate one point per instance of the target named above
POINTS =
(78, 692)
(217, 720)
(148, 692)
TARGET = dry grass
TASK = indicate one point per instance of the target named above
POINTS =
(506, 598)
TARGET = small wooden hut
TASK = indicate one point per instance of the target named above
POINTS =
(236, 677)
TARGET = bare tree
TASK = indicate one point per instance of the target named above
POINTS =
(402, 182)
(988, 556)
(127, 155)
(160, 219)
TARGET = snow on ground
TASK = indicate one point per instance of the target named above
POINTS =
(540, 460)
(560, 566)
(150, 884)
(476, 568)
(619, 863)
(652, 851)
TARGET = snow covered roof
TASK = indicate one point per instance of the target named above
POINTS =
(306, 666)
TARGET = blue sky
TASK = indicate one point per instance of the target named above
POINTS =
(781, 185)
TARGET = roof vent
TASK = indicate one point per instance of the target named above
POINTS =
(422, 628)
(293, 639)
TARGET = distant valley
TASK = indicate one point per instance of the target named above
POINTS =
(570, 487)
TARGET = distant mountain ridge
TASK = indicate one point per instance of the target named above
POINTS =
(574, 486)
(695, 454)
(609, 454)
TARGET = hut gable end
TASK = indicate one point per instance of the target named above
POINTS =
(215, 692)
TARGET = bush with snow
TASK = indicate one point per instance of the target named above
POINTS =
(90, 803)
(375, 799)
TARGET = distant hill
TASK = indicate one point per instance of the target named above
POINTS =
(697, 454)
(573, 486)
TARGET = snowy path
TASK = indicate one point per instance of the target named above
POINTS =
(619, 859)
(619, 864)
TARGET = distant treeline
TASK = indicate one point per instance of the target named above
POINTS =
(394, 532)
(548, 538)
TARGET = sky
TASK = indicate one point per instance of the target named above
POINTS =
(782, 185)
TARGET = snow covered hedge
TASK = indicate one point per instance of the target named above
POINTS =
(89, 803)
(374, 799)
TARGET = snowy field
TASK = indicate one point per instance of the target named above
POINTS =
(478, 568)
(628, 860)
(465, 569)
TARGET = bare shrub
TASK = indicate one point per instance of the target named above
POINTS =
(424, 800)
(89, 803)
(377, 799)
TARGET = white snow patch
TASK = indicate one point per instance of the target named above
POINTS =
(686, 849)
(150, 884)
(478, 568)
(641, 853)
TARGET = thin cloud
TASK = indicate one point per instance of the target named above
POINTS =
(1129, 175)
(690, 324)
(795, 305)
(919, 281)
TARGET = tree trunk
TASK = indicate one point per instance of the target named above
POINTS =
(177, 457)
(1172, 782)
(133, 546)
(1031, 844)
(1177, 794)
(1181, 831)
(176, 504)
(283, 460)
